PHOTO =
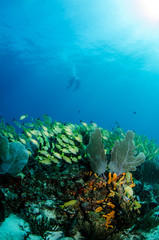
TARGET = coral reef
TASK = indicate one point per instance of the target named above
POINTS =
(60, 190)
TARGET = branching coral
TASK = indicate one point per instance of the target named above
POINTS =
(111, 198)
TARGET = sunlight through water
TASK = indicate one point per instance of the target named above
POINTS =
(149, 9)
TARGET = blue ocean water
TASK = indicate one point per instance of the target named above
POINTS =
(81, 60)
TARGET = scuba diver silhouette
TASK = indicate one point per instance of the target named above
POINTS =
(74, 83)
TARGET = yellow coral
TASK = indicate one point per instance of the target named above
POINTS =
(109, 218)
(99, 209)
(114, 177)
(109, 178)
(111, 205)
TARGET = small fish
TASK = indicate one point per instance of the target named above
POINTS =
(64, 150)
(44, 128)
(94, 124)
(64, 138)
(45, 153)
(71, 142)
(57, 155)
(23, 117)
(10, 135)
(134, 112)
(34, 142)
(79, 138)
(74, 159)
(84, 124)
(54, 159)
(68, 130)
(68, 160)
(73, 150)
(35, 132)
(46, 133)
(22, 140)
(58, 146)
(69, 203)
(46, 161)
(30, 125)
(28, 134)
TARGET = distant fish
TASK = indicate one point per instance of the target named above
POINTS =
(94, 124)
(23, 117)
(134, 112)
(117, 123)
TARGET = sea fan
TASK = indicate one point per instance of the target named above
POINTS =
(96, 151)
(123, 155)
(13, 156)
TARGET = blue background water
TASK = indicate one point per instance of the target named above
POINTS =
(108, 45)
